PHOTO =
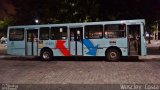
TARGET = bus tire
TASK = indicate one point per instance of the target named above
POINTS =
(113, 55)
(46, 55)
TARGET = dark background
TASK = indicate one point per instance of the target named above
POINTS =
(22, 12)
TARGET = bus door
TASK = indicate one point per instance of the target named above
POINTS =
(134, 39)
(76, 41)
(32, 42)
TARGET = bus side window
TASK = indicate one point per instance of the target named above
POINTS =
(72, 36)
(16, 34)
(29, 37)
(35, 37)
(44, 33)
(94, 31)
(58, 33)
(115, 31)
(52, 36)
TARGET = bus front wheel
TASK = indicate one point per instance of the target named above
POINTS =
(113, 55)
(46, 55)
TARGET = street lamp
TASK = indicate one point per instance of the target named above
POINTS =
(36, 21)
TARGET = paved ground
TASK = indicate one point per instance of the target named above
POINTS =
(68, 73)
(79, 72)
(153, 48)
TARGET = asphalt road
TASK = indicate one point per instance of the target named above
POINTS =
(72, 71)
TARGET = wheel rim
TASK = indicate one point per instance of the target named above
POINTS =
(46, 56)
(113, 55)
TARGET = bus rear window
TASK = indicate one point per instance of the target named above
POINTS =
(16, 34)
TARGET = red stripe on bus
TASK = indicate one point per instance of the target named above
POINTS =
(62, 48)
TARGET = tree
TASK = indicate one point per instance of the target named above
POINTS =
(64, 11)
(4, 23)
(56, 11)
(7, 11)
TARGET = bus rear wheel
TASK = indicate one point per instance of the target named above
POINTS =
(113, 55)
(46, 55)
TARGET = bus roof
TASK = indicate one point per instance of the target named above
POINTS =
(82, 24)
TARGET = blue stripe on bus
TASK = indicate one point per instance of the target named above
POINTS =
(92, 49)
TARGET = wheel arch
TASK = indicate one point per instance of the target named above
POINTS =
(114, 47)
(46, 48)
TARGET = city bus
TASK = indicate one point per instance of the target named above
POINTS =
(111, 39)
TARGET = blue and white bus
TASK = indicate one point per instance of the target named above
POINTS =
(111, 39)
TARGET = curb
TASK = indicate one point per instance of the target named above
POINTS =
(149, 57)
(16, 57)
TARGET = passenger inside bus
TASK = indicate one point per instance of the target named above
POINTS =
(72, 36)
(136, 38)
(52, 36)
(35, 37)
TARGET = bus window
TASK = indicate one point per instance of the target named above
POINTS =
(93, 31)
(35, 37)
(44, 33)
(58, 33)
(16, 34)
(115, 31)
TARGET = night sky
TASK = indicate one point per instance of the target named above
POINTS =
(6, 8)
(105, 9)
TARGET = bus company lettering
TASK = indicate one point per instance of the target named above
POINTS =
(112, 42)
(49, 43)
